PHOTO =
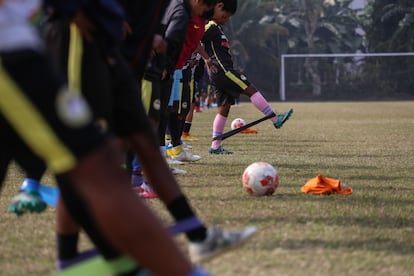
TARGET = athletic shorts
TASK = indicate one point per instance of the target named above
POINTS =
(39, 116)
(176, 87)
(228, 86)
(110, 88)
(151, 98)
(186, 94)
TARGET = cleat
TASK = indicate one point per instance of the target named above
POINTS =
(219, 150)
(188, 137)
(217, 242)
(178, 153)
(197, 109)
(171, 161)
(145, 191)
(176, 171)
(27, 201)
(186, 146)
(186, 157)
(282, 118)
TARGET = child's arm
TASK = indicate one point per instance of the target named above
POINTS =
(210, 66)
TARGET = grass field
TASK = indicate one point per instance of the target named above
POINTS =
(368, 145)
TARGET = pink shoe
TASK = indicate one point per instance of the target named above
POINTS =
(145, 191)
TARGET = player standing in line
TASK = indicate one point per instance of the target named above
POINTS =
(196, 73)
(188, 96)
(180, 99)
(161, 84)
(228, 82)
(155, 104)
(37, 114)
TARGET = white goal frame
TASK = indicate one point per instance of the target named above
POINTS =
(282, 90)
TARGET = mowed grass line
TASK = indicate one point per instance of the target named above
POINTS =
(368, 145)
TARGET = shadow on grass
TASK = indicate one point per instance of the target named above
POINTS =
(375, 244)
(334, 210)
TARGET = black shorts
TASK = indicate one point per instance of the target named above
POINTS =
(38, 116)
(228, 86)
(111, 89)
(187, 93)
(151, 98)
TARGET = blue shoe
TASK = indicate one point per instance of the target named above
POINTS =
(282, 118)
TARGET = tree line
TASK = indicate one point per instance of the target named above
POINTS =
(263, 30)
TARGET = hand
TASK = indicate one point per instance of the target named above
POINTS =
(85, 26)
(126, 29)
(164, 74)
(211, 68)
(159, 44)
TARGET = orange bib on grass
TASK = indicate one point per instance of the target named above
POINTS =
(249, 131)
(321, 185)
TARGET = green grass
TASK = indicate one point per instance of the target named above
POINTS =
(368, 145)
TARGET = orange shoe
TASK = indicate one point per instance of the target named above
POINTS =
(188, 137)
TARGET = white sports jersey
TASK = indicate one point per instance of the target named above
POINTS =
(15, 29)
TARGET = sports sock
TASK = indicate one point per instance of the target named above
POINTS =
(80, 212)
(218, 128)
(67, 246)
(180, 210)
(163, 151)
(175, 130)
(187, 127)
(262, 104)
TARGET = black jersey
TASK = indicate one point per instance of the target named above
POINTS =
(217, 46)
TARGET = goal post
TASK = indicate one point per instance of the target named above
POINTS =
(356, 56)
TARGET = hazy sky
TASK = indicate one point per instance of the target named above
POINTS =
(358, 4)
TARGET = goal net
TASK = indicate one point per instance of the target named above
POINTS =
(346, 76)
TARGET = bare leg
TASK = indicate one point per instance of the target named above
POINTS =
(123, 218)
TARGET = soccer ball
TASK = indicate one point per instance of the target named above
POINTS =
(238, 122)
(260, 178)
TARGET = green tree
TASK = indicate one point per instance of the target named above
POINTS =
(263, 30)
(392, 30)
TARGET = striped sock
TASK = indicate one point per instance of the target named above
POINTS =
(261, 104)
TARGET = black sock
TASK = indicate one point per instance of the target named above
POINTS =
(180, 210)
(67, 246)
(187, 126)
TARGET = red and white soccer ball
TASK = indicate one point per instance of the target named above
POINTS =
(260, 178)
(238, 122)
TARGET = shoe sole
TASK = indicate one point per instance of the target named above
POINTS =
(189, 139)
(171, 161)
(221, 153)
(178, 172)
(252, 231)
(187, 160)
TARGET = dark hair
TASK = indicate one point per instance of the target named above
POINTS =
(229, 5)
(210, 3)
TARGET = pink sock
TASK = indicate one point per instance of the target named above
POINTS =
(261, 104)
(218, 128)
